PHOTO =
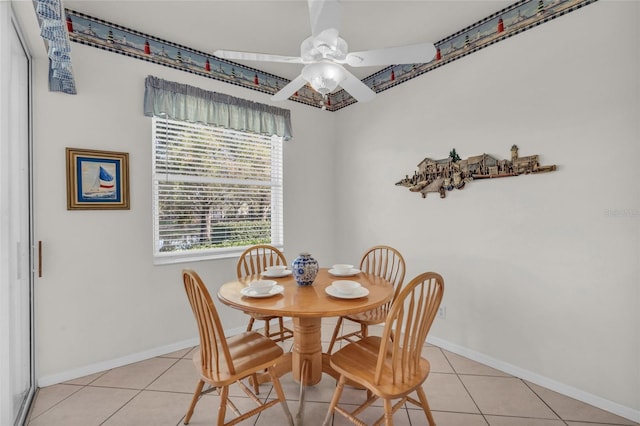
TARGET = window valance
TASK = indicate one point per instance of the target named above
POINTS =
(183, 102)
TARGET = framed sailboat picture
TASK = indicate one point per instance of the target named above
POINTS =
(97, 180)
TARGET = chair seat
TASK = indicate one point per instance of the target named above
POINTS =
(357, 361)
(261, 317)
(371, 317)
(250, 352)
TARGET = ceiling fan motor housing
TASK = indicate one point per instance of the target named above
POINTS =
(314, 49)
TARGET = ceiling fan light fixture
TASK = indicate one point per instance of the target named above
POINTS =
(324, 77)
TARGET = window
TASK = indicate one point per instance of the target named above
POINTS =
(215, 191)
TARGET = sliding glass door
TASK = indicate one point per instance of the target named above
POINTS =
(17, 384)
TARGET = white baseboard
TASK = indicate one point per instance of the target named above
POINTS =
(570, 391)
(119, 362)
(564, 389)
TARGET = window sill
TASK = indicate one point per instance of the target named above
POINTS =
(184, 257)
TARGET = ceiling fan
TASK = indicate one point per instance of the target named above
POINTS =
(324, 53)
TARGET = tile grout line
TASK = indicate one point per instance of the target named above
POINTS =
(139, 391)
(543, 401)
(80, 387)
(465, 387)
(121, 407)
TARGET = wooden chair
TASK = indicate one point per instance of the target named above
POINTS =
(255, 260)
(392, 368)
(223, 361)
(382, 261)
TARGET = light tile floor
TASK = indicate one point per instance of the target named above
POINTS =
(157, 392)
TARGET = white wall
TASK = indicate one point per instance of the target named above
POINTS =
(101, 298)
(541, 271)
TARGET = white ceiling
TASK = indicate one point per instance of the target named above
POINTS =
(278, 27)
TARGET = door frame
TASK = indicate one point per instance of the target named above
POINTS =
(11, 22)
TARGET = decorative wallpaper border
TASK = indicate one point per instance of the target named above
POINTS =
(512, 20)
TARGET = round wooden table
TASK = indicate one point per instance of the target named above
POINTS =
(307, 305)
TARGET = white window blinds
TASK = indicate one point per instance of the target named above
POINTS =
(215, 190)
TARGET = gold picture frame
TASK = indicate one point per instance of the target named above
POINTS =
(97, 180)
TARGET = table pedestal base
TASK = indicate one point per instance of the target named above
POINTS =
(306, 361)
(307, 351)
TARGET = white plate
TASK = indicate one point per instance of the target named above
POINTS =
(360, 292)
(250, 292)
(352, 272)
(285, 273)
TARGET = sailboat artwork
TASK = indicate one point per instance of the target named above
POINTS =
(98, 180)
(107, 182)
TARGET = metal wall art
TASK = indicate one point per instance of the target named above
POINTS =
(513, 19)
(454, 173)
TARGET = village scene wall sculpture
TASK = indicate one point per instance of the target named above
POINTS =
(454, 173)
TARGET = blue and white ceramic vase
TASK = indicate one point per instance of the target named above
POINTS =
(305, 269)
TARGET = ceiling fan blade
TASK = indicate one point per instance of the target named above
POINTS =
(249, 56)
(360, 91)
(324, 15)
(287, 91)
(411, 54)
